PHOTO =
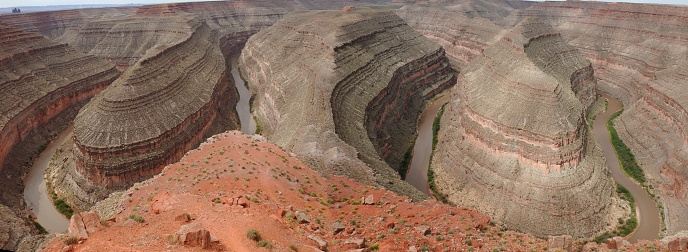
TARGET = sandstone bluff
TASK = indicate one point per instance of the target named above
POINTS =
(351, 92)
(540, 171)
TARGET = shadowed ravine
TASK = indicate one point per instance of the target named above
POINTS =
(35, 191)
(648, 214)
(417, 175)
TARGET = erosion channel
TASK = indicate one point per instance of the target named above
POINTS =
(648, 214)
(36, 193)
(417, 175)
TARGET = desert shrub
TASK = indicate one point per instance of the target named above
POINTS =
(253, 235)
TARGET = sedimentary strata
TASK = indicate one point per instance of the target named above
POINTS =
(341, 87)
(514, 143)
(164, 105)
(43, 84)
(640, 56)
(53, 24)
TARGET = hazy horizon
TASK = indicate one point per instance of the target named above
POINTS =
(27, 3)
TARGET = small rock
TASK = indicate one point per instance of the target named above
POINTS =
(194, 235)
(413, 249)
(369, 200)
(322, 244)
(185, 217)
(282, 212)
(359, 242)
(338, 227)
(423, 230)
(301, 217)
(562, 242)
(349, 230)
(617, 243)
(243, 202)
(389, 225)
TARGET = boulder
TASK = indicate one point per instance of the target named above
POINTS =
(194, 235)
(91, 221)
(76, 227)
(678, 244)
(338, 227)
(368, 200)
(617, 243)
(301, 217)
(322, 244)
(562, 242)
(423, 230)
(358, 242)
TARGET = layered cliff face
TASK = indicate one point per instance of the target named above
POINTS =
(514, 143)
(638, 53)
(43, 84)
(343, 89)
(164, 105)
(462, 38)
(53, 24)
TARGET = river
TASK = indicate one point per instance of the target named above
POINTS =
(648, 214)
(248, 125)
(35, 191)
(417, 175)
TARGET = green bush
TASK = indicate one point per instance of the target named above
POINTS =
(137, 218)
(624, 154)
(71, 240)
(253, 235)
(293, 247)
(264, 243)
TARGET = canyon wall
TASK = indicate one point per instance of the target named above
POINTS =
(43, 84)
(514, 143)
(639, 55)
(162, 106)
(344, 89)
(53, 24)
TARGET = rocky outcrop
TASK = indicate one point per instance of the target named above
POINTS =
(43, 84)
(12, 229)
(514, 143)
(341, 87)
(640, 56)
(164, 105)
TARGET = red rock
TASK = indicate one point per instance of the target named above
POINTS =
(678, 244)
(563, 242)
(185, 217)
(389, 225)
(243, 202)
(281, 212)
(76, 227)
(91, 221)
(349, 230)
(194, 235)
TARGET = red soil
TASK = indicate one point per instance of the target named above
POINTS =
(231, 165)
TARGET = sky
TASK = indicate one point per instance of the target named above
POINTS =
(14, 3)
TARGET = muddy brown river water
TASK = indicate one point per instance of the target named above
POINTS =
(248, 125)
(35, 191)
(417, 175)
(648, 214)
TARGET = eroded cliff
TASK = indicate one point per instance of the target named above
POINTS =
(164, 105)
(343, 89)
(639, 55)
(514, 143)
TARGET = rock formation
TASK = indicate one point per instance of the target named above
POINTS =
(639, 55)
(514, 143)
(12, 229)
(43, 84)
(53, 24)
(164, 105)
(341, 87)
(462, 38)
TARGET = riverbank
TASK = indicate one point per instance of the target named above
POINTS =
(648, 214)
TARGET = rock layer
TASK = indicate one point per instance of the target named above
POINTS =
(514, 143)
(344, 87)
(640, 56)
(43, 84)
(164, 105)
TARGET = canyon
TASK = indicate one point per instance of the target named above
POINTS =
(341, 87)
(348, 87)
